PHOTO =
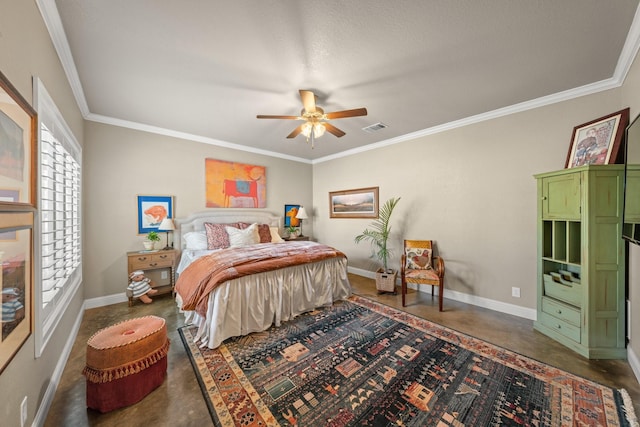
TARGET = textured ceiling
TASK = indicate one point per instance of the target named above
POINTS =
(207, 68)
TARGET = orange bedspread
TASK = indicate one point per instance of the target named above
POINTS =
(206, 273)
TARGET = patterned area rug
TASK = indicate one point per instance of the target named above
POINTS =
(360, 363)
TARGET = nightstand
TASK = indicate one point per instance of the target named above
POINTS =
(293, 239)
(155, 265)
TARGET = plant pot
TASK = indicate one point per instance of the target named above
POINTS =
(386, 282)
(148, 245)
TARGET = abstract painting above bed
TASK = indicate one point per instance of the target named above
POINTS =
(247, 279)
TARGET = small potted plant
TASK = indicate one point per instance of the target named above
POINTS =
(293, 231)
(152, 238)
(378, 235)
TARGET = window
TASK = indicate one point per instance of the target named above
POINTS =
(58, 255)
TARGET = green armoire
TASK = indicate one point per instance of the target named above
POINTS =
(581, 260)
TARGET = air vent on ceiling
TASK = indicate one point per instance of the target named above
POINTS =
(374, 127)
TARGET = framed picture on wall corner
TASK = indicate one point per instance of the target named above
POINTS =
(598, 142)
(18, 135)
(152, 210)
(290, 212)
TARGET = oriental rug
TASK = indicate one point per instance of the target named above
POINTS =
(360, 363)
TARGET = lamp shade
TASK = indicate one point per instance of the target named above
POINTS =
(302, 214)
(166, 225)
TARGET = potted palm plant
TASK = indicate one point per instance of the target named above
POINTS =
(152, 238)
(378, 236)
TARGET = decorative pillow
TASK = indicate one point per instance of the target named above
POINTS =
(217, 237)
(248, 236)
(418, 258)
(275, 235)
(196, 240)
(263, 230)
(264, 233)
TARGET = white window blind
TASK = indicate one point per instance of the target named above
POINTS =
(59, 266)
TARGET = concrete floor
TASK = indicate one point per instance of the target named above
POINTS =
(179, 402)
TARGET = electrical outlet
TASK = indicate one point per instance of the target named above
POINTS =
(23, 412)
(515, 292)
(164, 275)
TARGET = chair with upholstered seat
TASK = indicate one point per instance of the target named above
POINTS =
(420, 267)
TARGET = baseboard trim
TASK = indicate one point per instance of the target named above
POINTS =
(634, 362)
(50, 392)
(502, 307)
(106, 300)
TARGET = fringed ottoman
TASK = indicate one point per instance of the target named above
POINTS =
(125, 362)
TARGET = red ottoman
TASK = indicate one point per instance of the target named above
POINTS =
(125, 362)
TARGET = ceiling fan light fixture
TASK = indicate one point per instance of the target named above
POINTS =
(318, 130)
(307, 128)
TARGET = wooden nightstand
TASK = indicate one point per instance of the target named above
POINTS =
(293, 239)
(154, 264)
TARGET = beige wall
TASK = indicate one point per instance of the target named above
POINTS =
(631, 97)
(121, 164)
(26, 51)
(470, 189)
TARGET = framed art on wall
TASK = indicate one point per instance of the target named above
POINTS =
(16, 273)
(359, 203)
(17, 143)
(235, 185)
(290, 212)
(598, 142)
(152, 210)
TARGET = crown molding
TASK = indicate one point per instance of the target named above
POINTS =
(52, 20)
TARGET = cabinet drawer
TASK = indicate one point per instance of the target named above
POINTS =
(561, 311)
(569, 293)
(560, 326)
(145, 261)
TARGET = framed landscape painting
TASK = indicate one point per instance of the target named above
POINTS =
(359, 203)
(16, 282)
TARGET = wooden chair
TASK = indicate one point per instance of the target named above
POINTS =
(420, 266)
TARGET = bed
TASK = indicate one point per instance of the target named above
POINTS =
(255, 301)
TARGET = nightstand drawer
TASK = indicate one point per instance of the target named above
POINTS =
(152, 260)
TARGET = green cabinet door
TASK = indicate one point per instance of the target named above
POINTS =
(561, 196)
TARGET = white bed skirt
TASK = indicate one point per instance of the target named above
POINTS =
(254, 303)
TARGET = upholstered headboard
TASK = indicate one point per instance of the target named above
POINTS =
(195, 221)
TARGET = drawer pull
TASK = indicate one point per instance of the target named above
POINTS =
(559, 326)
(559, 311)
(153, 264)
(142, 258)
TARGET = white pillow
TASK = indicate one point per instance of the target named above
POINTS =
(248, 236)
(196, 240)
(275, 235)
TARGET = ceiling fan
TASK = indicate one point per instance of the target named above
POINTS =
(315, 119)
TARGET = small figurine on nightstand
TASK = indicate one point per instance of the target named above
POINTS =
(140, 287)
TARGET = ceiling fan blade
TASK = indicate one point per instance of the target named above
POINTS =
(347, 113)
(308, 100)
(263, 116)
(295, 132)
(332, 129)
